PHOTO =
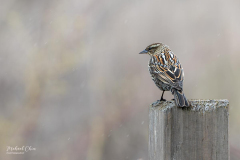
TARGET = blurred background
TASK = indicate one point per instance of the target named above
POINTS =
(73, 86)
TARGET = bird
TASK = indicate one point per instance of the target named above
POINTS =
(166, 72)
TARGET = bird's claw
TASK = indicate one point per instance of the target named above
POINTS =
(162, 99)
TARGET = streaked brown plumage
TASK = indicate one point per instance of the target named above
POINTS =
(166, 71)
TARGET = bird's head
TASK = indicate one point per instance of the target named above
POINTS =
(153, 49)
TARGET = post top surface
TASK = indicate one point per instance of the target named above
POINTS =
(195, 104)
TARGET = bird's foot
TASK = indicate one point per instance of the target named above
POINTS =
(162, 99)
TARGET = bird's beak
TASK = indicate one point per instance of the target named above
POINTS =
(144, 52)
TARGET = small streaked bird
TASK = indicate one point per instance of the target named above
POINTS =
(166, 71)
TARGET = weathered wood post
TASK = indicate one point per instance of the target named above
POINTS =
(199, 132)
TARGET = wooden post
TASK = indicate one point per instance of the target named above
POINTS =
(199, 132)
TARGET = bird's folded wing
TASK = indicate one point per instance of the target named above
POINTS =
(169, 75)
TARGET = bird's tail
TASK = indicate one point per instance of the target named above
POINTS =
(180, 99)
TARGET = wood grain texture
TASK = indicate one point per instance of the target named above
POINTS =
(199, 132)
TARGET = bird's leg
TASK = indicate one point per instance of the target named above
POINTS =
(172, 93)
(162, 97)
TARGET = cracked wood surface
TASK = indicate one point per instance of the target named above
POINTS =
(199, 132)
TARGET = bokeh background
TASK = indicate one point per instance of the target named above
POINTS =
(73, 86)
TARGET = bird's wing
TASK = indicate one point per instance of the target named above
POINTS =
(171, 74)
